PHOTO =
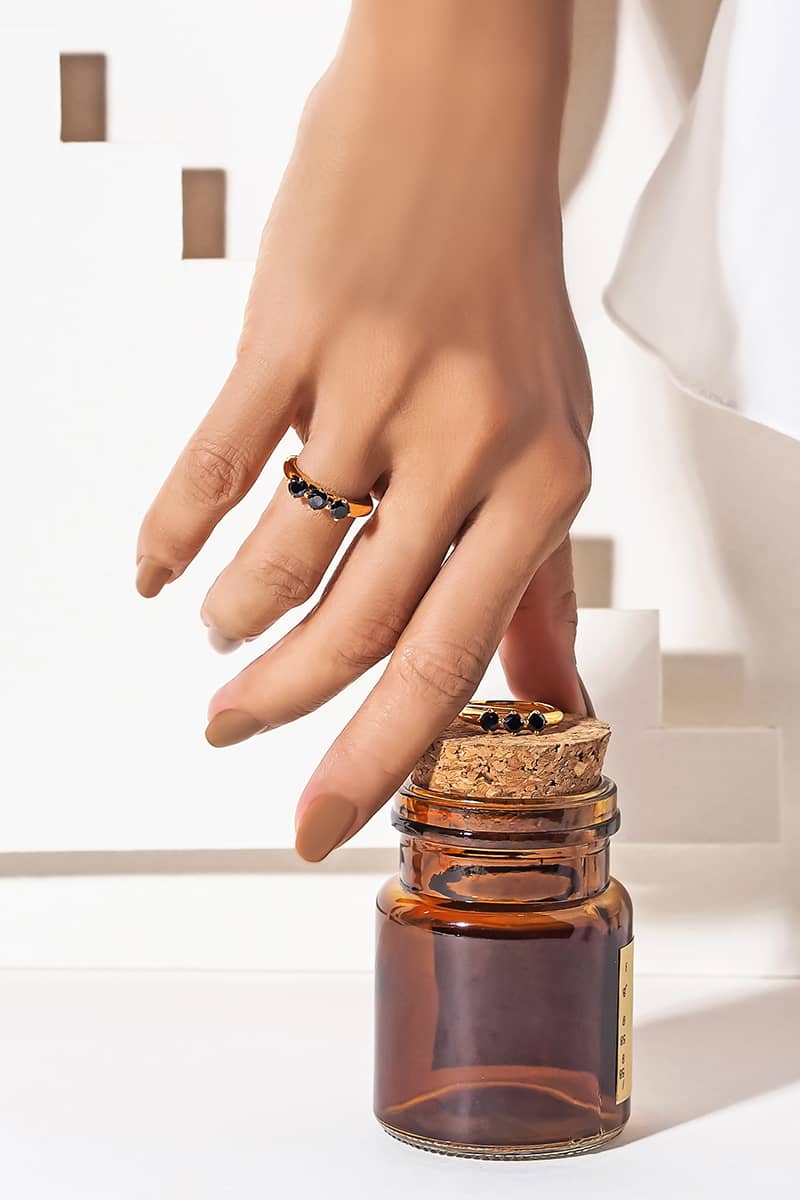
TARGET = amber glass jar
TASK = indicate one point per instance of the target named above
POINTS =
(504, 976)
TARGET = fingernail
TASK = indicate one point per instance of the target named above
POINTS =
(222, 644)
(231, 726)
(324, 824)
(151, 577)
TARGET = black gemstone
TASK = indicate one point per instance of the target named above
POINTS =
(340, 509)
(512, 722)
(316, 498)
(536, 721)
(489, 720)
(297, 486)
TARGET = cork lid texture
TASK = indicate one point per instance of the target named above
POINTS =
(564, 760)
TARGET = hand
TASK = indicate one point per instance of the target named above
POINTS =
(409, 318)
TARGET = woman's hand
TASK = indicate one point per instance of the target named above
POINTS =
(408, 317)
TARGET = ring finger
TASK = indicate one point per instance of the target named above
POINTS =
(280, 565)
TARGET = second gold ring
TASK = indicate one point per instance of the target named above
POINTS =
(511, 716)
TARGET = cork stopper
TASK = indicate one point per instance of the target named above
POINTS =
(563, 760)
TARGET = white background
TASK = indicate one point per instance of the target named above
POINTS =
(114, 347)
(127, 844)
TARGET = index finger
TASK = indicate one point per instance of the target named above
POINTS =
(218, 466)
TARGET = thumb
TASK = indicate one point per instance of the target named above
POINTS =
(538, 650)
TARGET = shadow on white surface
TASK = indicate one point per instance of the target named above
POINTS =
(689, 1065)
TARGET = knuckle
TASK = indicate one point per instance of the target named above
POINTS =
(447, 671)
(571, 476)
(255, 360)
(577, 475)
(362, 647)
(217, 472)
(491, 416)
(495, 414)
(565, 608)
(576, 479)
(284, 580)
(583, 412)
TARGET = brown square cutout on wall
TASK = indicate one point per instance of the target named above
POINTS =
(204, 213)
(83, 97)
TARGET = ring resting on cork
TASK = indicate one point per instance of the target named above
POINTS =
(511, 716)
(318, 497)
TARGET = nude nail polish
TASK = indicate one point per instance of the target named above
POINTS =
(324, 824)
(231, 726)
(222, 644)
(151, 577)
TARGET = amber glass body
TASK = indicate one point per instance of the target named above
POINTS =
(497, 974)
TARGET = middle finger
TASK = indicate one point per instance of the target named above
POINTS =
(358, 621)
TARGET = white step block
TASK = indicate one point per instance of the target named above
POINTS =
(30, 99)
(704, 910)
(698, 785)
(83, 207)
(121, 202)
(704, 689)
(619, 659)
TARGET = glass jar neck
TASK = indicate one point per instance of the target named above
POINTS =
(479, 850)
(469, 875)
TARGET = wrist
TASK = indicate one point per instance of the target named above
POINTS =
(521, 34)
(484, 60)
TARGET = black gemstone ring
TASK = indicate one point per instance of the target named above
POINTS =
(511, 716)
(318, 497)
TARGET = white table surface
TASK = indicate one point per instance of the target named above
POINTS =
(199, 1085)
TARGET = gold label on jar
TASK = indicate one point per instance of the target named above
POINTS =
(625, 1023)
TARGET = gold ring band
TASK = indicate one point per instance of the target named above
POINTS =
(511, 716)
(318, 497)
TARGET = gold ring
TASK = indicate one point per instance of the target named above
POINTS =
(511, 715)
(318, 497)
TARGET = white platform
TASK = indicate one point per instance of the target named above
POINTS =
(699, 910)
(259, 1085)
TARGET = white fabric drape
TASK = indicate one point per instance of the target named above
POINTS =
(709, 271)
